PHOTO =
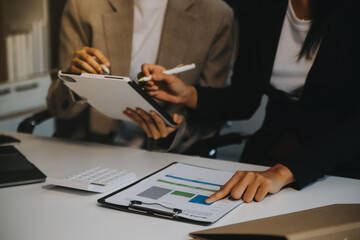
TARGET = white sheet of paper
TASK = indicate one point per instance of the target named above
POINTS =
(184, 187)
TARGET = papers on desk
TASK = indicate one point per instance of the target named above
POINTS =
(178, 192)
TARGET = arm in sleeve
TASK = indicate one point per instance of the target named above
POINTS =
(322, 155)
(61, 101)
(215, 74)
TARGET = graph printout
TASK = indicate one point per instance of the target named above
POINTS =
(184, 187)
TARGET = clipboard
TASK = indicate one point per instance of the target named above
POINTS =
(111, 95)
(151, 195)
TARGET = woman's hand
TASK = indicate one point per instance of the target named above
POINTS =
(152, 123)
(249, 186)
(168, 87)
(88, 60)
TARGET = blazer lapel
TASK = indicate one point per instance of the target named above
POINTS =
(270, 27)
(176, 35)
(177, 32)
(118, 28)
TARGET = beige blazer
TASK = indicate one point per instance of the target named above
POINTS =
(194, 31)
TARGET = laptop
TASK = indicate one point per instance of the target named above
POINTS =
(337, 221)
(15, 169)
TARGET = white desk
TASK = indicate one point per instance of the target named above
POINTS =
(38, 211)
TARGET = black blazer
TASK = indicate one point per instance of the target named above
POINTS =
(325, 122)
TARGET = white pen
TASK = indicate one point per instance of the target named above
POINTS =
(103, 67)
(178, 69)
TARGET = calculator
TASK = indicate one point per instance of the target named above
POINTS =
(95, 179)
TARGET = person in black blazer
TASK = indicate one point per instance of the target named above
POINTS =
(312, 123)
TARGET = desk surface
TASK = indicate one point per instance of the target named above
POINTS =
(41, 211)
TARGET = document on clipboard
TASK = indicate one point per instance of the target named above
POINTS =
(177, 192)
(111, 95)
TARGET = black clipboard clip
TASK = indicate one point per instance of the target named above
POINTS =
(138, 206)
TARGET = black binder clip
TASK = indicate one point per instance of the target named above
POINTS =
(143, 207)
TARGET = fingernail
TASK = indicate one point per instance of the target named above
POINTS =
(176, 117)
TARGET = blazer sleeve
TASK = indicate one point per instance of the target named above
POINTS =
(61, 101)
(215, 73)
(238, 101)
(241, 99)
(328, 153)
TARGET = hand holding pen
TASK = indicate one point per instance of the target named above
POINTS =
(168, 88)
(89, 60)
(177, 69)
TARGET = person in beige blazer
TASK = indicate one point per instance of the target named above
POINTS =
(194, 31)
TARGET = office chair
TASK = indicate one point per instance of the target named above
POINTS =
(208, 147)
(28, 124)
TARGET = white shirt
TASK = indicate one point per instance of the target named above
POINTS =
(289, 73)
(148, 23)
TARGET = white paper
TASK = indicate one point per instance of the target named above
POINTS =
(183, 187)
(39, 26)
(22, 65)
(29, 55)
(36, 45)
(10, 57)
